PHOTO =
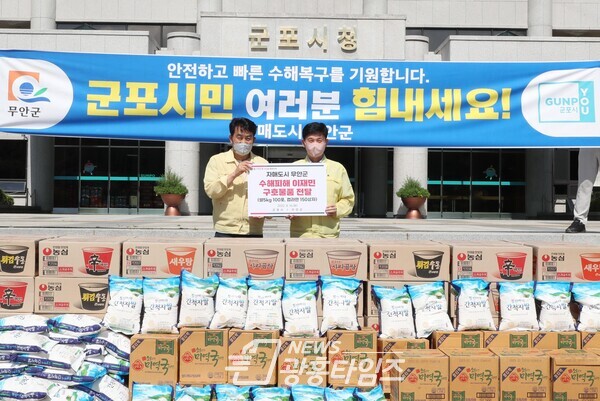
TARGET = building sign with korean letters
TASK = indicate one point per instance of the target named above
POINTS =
(364, 103)
(287, 189)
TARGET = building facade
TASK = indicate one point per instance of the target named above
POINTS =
(82, 175)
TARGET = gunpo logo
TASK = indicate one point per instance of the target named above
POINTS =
(38, 94)
(563, 103)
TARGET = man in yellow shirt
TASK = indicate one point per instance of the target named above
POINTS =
(226, 183)
(340, 196)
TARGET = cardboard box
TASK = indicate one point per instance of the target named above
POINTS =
(556, 340)
(307, 259)
(203, 356)
(154, 359)
(444, 340)
(493, 299)
(257, 257)
(162, 257)
(352, 357)
(421, 375)
(371, 301)
(16, 294)
(70, 295)
(590, 340)
(252, 357)
(506, 339)
(491, 261)
(18, 256)
(302, 361)
(575, 375)
(473, 375)
(524, 375)
(409, 261)
(80, 257)
(386, 349)
(565, 261)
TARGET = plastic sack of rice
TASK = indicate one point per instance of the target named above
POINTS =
(517, 306)
(302, 392)
(124, 310)
(342, 394)
(59, 393)
(74, 325)
(24, 388)
(264, 304)
(340, 296)
(197, 300)
(270, 394)
(299, 305)
(555, 312)
(61, 356)
(229, 392)
(116, 344)
(587, 295)
(87, 373)
(395, 312)
(106, 389)
(431, 308)
(474, 312)
(30, 323)
(161, 300)
(154, 392)
(193, 393)
(231, 303)
(375, 394)
(23, 342)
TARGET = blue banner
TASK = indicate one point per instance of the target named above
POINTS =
(364, 103)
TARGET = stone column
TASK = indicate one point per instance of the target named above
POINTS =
(539, 18)
(43, 15)
(411, 162)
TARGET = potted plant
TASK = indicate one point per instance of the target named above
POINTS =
(6, 200)
(172, 190)
(413, 196)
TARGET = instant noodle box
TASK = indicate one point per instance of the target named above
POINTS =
(307, 259)
(162, 257)
(506, 339)
(444, 340)
(234, 257)
(524, 375)
(575, 375)
(420, 375)
(16, 294)
(154, 359)
(70, 295)
(352, 358)
(80, 257)
(491, 261)
(203, 356)
(18, 256)
(302, 361)
(409, 261)
(386, 352)
(371, 305)
(473, 375)
(252, 357)
(564, 261)
(545, 340)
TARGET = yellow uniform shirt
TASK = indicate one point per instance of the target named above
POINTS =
(339, 193)
(230, 204)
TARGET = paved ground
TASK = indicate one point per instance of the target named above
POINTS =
(201, 227)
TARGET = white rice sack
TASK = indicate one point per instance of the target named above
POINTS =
(87, 373)
(587, 295)
(375, 394)
(270, 394)
(154, 392)
(517, 306)
(111, 363)
(474, 311)
(11, 369)
(264, 304)
(554, 298)
(395, 312)
(31, 323)
(431, 308)
(74, 325)
(24, 388)
(161, 298)
(106, 389)
(57, 392)
(114, 343)
(65, 339)
(231, 304)
(229, 392)
(299, 305)
(193, 393)
(61, 356)
(124, 310)
(340, 296)
(197, 300)
(25, 342)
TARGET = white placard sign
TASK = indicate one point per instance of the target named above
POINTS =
(284, 189)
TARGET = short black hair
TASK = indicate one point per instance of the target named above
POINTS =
(314, 128)
(244, 123)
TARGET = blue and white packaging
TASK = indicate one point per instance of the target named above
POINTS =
(375, 394)
(431, 308)
(264, 305)
(231, 304)
(299, 305)
(197, 300)
(124, 311)
(555, 312)
(343, 394)
(229, 392)
(340, 297)
(30, 323)
(24, 388)
(474, 312)
(193, 393)
(517, 306)
(302, 392)
(75, 325)
(395, 312)
(587, 295)
(161, 301)
(154, 392)
(270, 394)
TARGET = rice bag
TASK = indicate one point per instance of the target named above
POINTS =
(112, 364)
(31, 323)
(474, 311)
(64, 339)
(395, 312)
(302, 392)
(124, 310)
(229, 392)
(375, 394)
(587, 295)
(299, 305)
(24, 388)
(264, 304)
(431, 308)
(554, 298)
(343, 394)
(106, 389)
(517, 306)
(161, 298)
(116, 344)
(231, 303)
(270, 394)
(11, 369)
(154, 392)
(74, 325)
(340, 296)
(61, 356)
(193, 393)
(197, 300)
(86, 374)
(25, 342)
(59, 393)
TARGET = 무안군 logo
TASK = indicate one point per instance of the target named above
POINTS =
(25, 86)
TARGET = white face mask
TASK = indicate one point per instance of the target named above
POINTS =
(315, 150)
(242, 148)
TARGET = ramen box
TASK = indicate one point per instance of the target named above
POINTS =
(409, 261)
(307, 259)
(252, 357)
(564, 261)
(302, 361)
(524, 375)
(473, 375)
(16, 294)
(154, 359)
(352, 357)
(234, 257)
(575, 375)
(491, 261)
(18, 256)
(70, 295)
(419, 375)
(371, 304)
(162, 257)
(80, 257)
(203, 356)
